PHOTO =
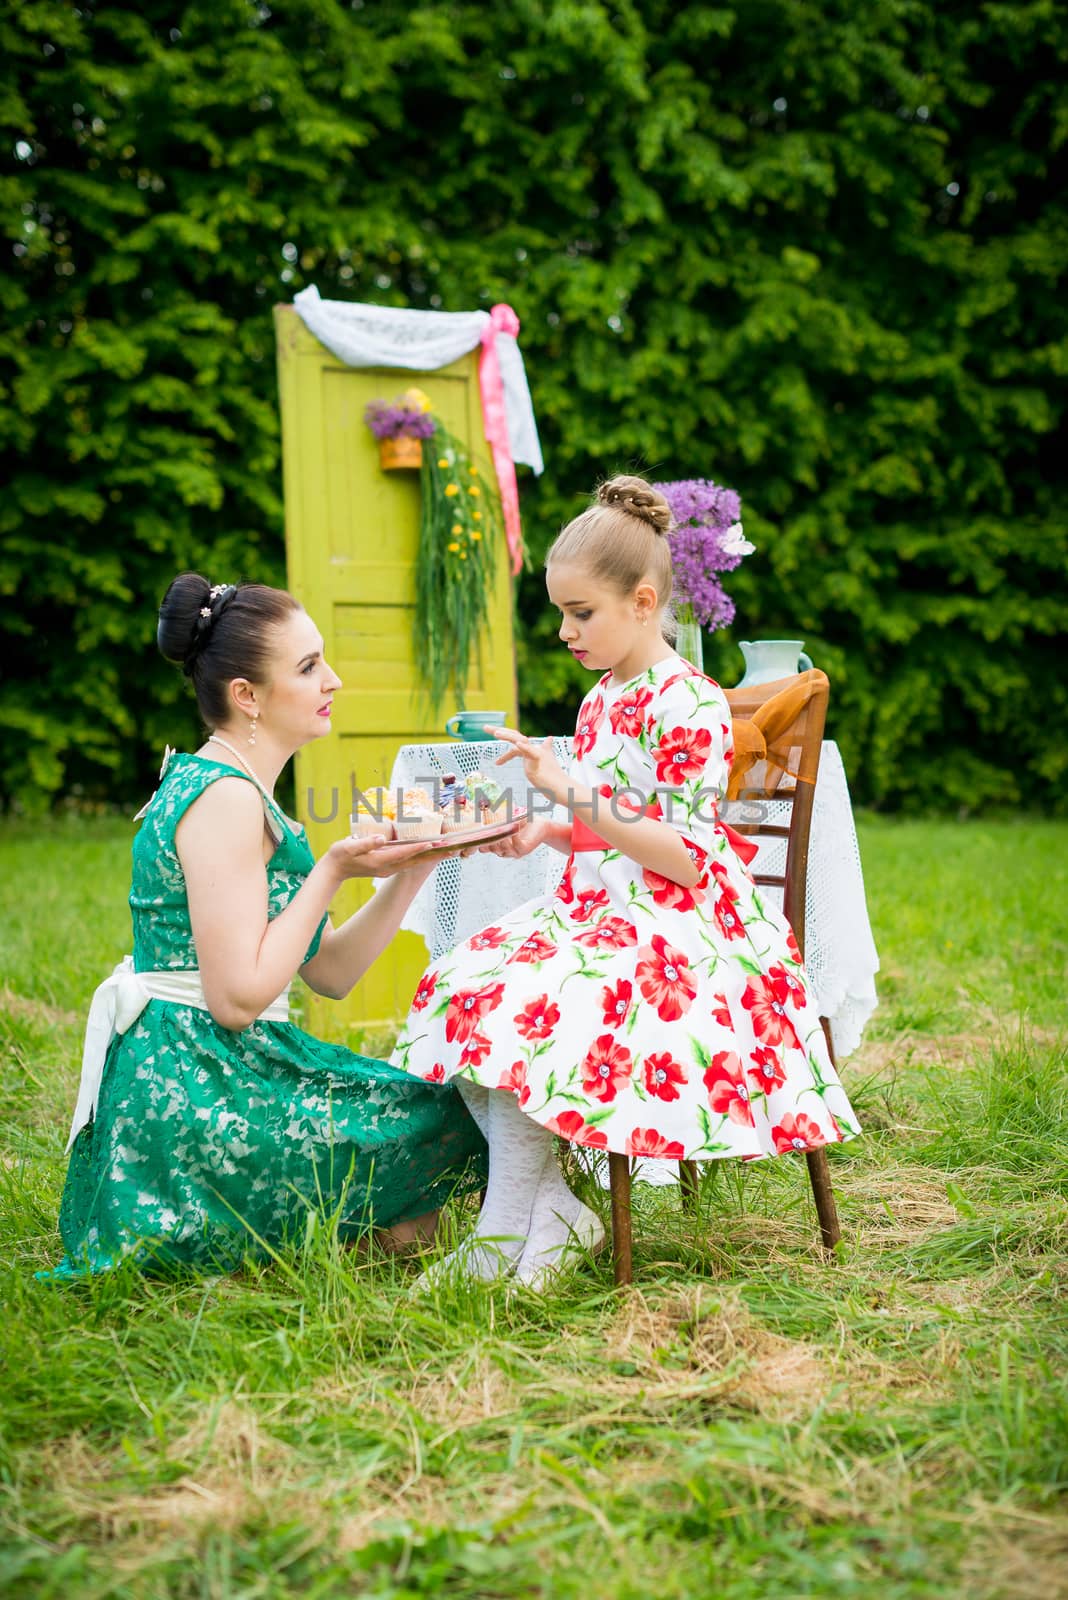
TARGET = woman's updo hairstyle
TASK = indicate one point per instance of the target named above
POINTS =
(621, 538)
(219, 632)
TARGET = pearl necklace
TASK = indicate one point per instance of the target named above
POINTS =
(213, 738)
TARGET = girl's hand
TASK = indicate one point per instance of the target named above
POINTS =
(365, 857)
(543, 771)
(518, 845)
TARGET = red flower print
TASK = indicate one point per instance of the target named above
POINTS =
(727, 1088)
(788, 986)
(611, 933)
(615, 1003)
(647, 1142)
(791, 945)
(681, 754)
(487, 939)
(767, 1072)
(663, 1074)
(535, 948)
(770, 1022)
(721, 1011)
(589, 902)
(566, 887)
(798, 1133)
(666, 892)
(515, 1079)
(538, 1018)
(628, 714)
(425, 992)
(725, 914)
(436, 1073)
(467, 1007)
(475, 1050)
(590, 718)
(571, 1125)
(665, 979)
(678, 677)
(606, 1069)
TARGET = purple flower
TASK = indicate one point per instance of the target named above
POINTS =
(705, 541)
(390, 419)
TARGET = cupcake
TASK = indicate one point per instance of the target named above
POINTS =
(456, 815)
(417, 817)
(485, 797)
(375, 812)
(417, 823)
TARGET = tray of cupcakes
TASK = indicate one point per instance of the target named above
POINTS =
(463, 814)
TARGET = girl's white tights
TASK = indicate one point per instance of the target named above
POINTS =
(529, 1215)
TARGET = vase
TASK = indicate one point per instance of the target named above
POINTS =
(768, 659)
(689, 644)
(401, 453)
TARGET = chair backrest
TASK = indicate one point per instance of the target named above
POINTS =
(778, 731)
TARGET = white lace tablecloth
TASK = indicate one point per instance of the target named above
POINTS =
(840, 955)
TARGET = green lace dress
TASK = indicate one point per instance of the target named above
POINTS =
(209, 1145)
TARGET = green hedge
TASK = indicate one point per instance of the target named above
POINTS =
(815, 250)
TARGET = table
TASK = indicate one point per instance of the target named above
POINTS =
(840, 955)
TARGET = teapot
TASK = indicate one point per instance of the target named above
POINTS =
(768, 659)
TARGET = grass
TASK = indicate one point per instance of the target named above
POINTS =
(750, 1421)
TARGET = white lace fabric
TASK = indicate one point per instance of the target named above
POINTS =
(363, 335)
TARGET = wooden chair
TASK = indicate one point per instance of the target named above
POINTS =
(778, 731)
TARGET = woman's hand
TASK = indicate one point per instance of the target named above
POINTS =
(543, 771)
(366, 858)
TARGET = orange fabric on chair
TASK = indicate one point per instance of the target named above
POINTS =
(756, 738)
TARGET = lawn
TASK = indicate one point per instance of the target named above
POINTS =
(751, 1421)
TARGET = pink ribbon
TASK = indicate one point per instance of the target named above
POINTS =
(502, 320)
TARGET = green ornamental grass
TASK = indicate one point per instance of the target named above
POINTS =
(751, 1421)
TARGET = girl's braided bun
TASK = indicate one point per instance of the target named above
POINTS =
(638, 499)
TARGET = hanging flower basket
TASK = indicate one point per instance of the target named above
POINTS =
(460, 523)
(400, 454)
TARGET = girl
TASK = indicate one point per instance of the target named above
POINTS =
(655, 1005)
(208, 1124)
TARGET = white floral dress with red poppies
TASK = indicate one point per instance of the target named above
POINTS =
(626, 1012)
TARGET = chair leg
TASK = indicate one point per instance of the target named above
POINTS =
(820, 1178)
(819, 1172)
(688, 1185)
(619, 1182)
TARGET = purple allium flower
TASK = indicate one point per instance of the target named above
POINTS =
(391, 419)
(705, 541)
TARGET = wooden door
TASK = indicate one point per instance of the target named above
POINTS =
(351, 542)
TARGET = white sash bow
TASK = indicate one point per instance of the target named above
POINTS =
(116, 1006)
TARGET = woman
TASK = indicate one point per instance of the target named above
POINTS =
(212, 1125)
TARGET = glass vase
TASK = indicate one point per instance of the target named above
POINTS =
(688, 642)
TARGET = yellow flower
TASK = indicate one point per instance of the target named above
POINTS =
(475, 490)
(454, 546)
(443, 462)
(476, 516)
(476, 535)
(416, 398)
(463, 555)
(473, 471)
(452, 488)
(457, 527)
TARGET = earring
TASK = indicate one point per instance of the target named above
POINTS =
(252, 728)
(645, 622)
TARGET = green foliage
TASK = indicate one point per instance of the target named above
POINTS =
(459, 531)
(813, 250)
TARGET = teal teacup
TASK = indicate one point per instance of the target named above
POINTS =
(470, 726)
